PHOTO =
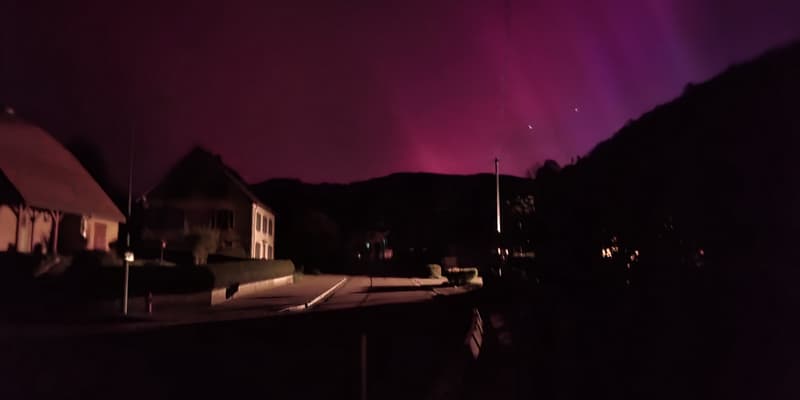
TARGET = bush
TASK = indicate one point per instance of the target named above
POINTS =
(434, 271)
(461, 276)
(203, 241)
(107, 282)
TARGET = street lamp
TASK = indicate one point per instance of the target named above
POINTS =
(128, 253)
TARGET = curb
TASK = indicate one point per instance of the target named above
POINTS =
(316, 300)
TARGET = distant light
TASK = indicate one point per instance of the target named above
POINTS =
(368, 245)
(576, 109)
(530, 127)
(129, 256)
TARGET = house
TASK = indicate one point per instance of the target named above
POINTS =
(49, 204)
(202, 201)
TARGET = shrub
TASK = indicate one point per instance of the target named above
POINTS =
(203, 241)
(106, 282)
(434, 271)
(461, 276)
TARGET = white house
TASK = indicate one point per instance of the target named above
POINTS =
(201, 194)
(46, 195)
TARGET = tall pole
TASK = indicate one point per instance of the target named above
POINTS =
(128, 228)
(503, 95)
(497, 190)
(363, 366)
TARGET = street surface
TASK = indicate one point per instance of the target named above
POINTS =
(397, 332)
(329, 292)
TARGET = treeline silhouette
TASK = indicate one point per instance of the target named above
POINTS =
(667, 256)
(422, 216)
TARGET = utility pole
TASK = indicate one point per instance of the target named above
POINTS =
(128, 252)
(497, 190)
(364, 366)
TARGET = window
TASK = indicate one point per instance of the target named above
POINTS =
(264, 225)
(222, 219)
(269, 252)
(258, 222)
(270, 226)
(266, 253)
(258, 250)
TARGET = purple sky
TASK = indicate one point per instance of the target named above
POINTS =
(325, 91)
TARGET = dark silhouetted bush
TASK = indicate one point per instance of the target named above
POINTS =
(434, 271)
(461, 276)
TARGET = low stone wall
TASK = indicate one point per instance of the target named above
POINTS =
(221, 295)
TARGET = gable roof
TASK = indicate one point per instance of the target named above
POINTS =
(46, 175)
(201, 155)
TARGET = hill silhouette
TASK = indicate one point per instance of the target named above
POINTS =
(679, 233)
(435, 215)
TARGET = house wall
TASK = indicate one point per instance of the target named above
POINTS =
(112, 233)
(262, 236)
(8, 228)
(197, 213)
(198, 185)
(42, 230)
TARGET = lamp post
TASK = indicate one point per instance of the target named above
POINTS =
(128, 253)
(497, 190)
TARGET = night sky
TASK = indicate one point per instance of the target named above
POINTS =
(342, 91)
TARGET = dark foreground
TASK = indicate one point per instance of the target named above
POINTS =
(698, 337)
(410, 349)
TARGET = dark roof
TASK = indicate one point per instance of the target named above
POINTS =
(199, 154)
(46, 175)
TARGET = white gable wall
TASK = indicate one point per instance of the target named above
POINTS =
(262, 244)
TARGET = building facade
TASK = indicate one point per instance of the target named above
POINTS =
(203, 203)
(49, 203)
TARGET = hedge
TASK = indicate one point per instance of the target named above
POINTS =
(434, 271)
(107, 281)
(240, 272)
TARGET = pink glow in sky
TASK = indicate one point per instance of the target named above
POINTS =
(343, 91)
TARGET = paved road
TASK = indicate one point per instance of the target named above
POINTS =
(364, 291)
(355, 291)
(278, 299)
(328, 292)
